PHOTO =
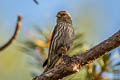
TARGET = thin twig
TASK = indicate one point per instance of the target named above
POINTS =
(36, 2)
(18, 25)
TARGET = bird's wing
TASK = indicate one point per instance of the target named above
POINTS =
(54, 43)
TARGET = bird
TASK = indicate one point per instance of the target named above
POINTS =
(61, 40)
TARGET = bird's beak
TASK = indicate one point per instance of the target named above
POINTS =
(58, 16)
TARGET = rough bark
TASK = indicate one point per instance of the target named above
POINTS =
(71, 65)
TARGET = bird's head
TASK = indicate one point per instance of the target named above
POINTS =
(63, 16)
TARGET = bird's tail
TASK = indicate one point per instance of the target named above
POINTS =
(52, 63)
(45, 63)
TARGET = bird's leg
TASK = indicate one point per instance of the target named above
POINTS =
(64, 51)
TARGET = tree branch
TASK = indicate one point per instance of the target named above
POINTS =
(71, 65)
(18, 25)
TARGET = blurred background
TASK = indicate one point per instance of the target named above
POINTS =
(93, 20)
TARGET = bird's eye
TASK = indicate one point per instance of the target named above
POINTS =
(63, 14)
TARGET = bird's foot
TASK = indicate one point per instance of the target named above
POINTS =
(64, 51)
